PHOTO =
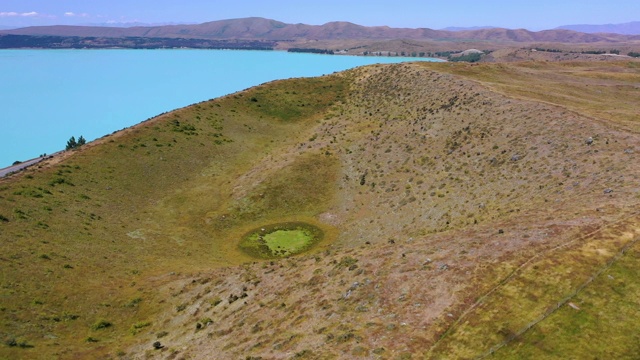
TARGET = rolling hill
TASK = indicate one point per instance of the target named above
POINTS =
(465, 210)
(266, 29)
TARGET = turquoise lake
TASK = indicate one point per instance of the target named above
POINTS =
(47, 96)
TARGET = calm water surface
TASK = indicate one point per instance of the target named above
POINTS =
(47, 96)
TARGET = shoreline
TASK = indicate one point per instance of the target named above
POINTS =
(95, 116)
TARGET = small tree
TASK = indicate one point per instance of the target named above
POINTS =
(71, 143)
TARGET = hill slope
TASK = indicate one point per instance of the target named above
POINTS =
(454, 200)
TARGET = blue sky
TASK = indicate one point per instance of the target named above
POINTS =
(533, 15)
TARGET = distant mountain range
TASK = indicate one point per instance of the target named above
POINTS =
(458, 28)
(630, 28)
(266, 29)
(132, 24)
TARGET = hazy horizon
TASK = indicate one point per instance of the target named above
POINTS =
(540, 15)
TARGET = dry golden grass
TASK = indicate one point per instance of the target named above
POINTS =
(603, 90)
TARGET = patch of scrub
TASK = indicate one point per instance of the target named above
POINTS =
(280, 240)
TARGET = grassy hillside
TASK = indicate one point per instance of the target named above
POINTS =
(464, 208)
(82, 239)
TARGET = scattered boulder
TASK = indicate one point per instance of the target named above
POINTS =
(589, 140)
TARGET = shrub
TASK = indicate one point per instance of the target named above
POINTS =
(58, 181)
(14, 343)
(69, 317)
(101, 324)
(346, 261)
(137, 327)
(215, 301)
(134, 302)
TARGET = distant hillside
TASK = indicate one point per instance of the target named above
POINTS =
(458, 28)
(132, 24)
(630, 28)
(260, 28)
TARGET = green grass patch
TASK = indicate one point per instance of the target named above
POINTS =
(281, 240)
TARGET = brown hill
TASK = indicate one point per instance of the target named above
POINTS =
(260, 28)
(462, 204)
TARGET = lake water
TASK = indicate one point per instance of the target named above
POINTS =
(47, 96)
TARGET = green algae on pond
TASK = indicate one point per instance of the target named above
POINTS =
(280, 240)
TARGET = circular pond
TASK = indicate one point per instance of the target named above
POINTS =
(280, 240)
